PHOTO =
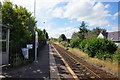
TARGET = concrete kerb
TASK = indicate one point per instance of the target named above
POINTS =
(54, 74)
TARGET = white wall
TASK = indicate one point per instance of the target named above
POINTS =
(118, 44)
(100, 35)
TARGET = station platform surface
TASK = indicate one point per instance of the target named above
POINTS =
(49, 65)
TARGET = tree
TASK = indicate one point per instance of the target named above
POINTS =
(47, 37)
(94, 33)
(75, 35)
(46, 34)
(83, 30)
(62, 37)
(97, 30)
(21, 21)
(41, 36)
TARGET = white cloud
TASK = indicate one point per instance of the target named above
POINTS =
(107, 6)
(117, 13)
(65, 30)
(94, 14)
(114, 29)
(24, 3)
(80, 10)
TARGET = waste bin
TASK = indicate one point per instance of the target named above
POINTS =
(25, 53)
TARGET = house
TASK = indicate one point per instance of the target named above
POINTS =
(4, 39)
(113, 36)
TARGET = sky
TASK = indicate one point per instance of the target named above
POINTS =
(65, 16)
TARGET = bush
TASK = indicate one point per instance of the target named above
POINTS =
(99, 47)
(116, 56)
(82, 44)
(65, 44)
(75, 42)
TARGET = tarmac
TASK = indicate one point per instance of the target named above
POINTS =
(49, 65)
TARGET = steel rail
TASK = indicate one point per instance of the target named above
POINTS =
(80, 63)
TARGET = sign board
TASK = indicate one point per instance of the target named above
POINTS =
(29, 46)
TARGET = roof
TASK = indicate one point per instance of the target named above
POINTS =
(3, 26)
(114, 36)
(105, 34)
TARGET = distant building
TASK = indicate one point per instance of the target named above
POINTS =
(113, 36)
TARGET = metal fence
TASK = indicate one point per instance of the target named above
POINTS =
(16, 57)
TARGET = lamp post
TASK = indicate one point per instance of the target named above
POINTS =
(35, 34)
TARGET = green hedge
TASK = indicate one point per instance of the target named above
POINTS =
(82, 44)
(75, 42)
(116, 56)
(100, 47)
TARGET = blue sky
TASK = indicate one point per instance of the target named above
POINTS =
(65, 16)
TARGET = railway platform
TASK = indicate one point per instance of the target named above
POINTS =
(50, 65)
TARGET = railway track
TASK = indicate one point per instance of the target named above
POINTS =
(81, 68)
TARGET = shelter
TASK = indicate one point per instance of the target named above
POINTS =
(4, 40)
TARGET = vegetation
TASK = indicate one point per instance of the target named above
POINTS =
(65, 44)
(100, 48)
(21, 21)
(75, 42)
(82, 30)
(108, 64)
(23, 25)
(87, 41)
(74, 35)
(82, 44)
(46, 34)
(94, 33)
(62, 37)
(54, 39)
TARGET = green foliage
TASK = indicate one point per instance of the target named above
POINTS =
(54, 39)
(46, 34)
(75, 42)
(62, 37)
(100, 46)
(20, 20)
(75, 35)
(93, 33)
(116, 56)
(65, 44)
(41, 35)
(82, 44)
(83, 30)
